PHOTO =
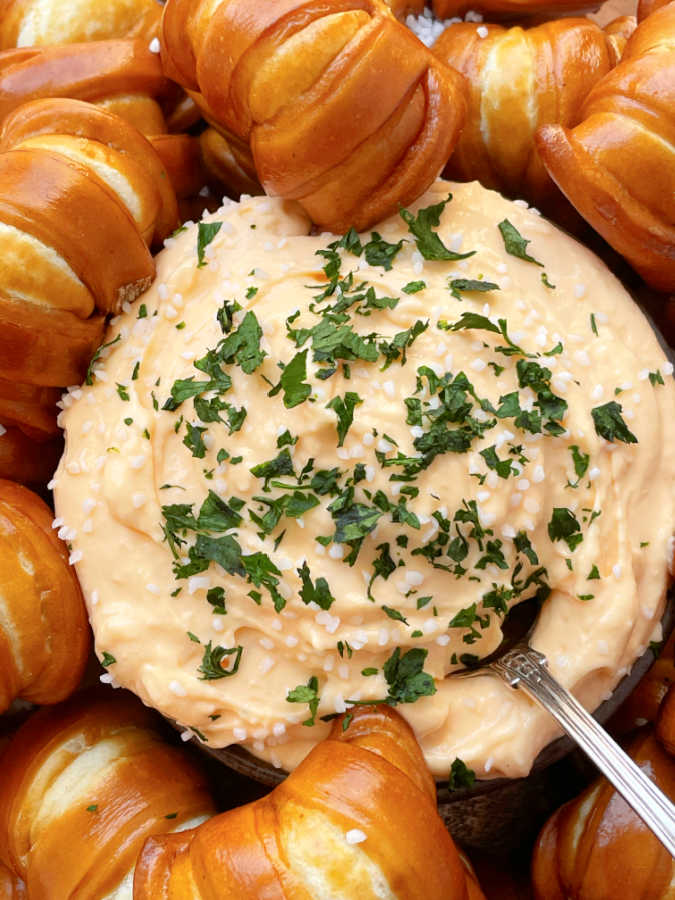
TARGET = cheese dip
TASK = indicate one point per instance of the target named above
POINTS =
(310, 471)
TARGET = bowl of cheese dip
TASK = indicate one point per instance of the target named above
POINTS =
(310, 471)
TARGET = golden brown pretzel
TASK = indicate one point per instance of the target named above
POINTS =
(44, 636)
(82, 194)
(647, 7)
(642, 704)
(509, 9)
(616, 167)
(597, 847)
(123, 76)
(24, 460)
(359, 811)
(521, 79)
(665, 723)
(25, 23)
(11, 887)
(82, 786)
(345, 110)
(229, 162)
(403, 8)
(67, 172)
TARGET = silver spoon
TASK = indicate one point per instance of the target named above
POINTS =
(520, 666)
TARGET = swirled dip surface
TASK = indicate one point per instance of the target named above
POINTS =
(289, 488)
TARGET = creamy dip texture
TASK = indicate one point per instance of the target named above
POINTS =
(306, 476)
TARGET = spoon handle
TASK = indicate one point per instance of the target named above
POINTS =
(527, 668)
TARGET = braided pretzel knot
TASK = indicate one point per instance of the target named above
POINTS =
(346, 111)
(26, 23)
(44, 637)
(82, 785)
(616, 166)
(122, 76)
(370, 778)
(521, 79)
(82, 194)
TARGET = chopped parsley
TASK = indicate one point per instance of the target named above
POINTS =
(344, 407)
(459, 286)
(307, 693)
(414, 287)
(89, 378)
(564, 526)
(318, 592)
(292, 382)
(461, 776)
(609, 423)
(406, 677)
(427, 240)
(107, 659)
(514, 243)
(206, 233)
(212, 666)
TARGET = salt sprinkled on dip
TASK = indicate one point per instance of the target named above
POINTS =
(321, 473)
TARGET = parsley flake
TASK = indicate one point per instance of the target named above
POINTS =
(344, 407)
(421, 227)
(207, 232)
(307, 693)
(212, 662)
(610, 425)
(514, 243)
(461, 776)
(406, 677)
(564, 526)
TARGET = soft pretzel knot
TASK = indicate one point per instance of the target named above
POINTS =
(44, 634)
(616, 166)
(82, 194)
(596, 846)
(82, 785)
(25, 23)
(122, 76)
(357, 818)
(346, 111)
(510, 9)
(25, 461)
(521, 78)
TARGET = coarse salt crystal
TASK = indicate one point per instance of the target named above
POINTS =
(198, 583)
(413, 577)
(482, 31)
(177, 688)
(355, 836)
(616, 570)
(154, 45)
(239, 734)
(75, 557)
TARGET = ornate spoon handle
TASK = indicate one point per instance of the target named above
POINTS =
(527, 668)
